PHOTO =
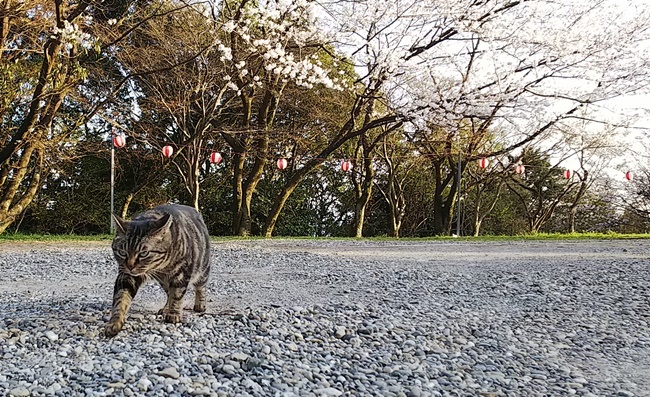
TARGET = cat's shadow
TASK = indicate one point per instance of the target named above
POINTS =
(84, 318)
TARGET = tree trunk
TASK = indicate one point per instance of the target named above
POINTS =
(10, 209)
(572, 218)
(189, 169)
(397, 205)
(16, 155)
(534, 227)
(395, 195)
(279, 202)
(477, 210)
(477, 227)
(396, 215)
(359, 215)
(244, 189)
(478, 216)
(364, 194)
(238, 192)
(239, 147)
(443, 208)
(395, 227)
(127, 203)
(251, 184)
(196, 182)
(293, 182)
(346, 133)
(573, 210)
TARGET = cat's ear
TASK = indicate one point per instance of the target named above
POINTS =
(120, 225)
(161, 224)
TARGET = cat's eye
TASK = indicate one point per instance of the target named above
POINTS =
(121, 253)
(144, 254)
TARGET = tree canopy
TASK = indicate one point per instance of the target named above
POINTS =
(412, 93)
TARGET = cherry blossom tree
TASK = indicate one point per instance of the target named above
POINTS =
(449, 74)
(264, 47)
(485, 186)
(456, 70)
(592, 149)
(398, 162)
(363, 173)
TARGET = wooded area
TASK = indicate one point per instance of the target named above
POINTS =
(413, 94)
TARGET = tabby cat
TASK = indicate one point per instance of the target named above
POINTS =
(169, 244)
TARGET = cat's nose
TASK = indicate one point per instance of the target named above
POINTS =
(130, 262)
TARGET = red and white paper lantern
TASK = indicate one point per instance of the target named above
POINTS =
(520, 169)
(567, 174)
(483, 163)
(119, 141)
(167, 151)
(346, 166)
(282, 163)
(215, 157)
(628, 175)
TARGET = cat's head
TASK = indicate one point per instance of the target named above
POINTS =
(140, 246)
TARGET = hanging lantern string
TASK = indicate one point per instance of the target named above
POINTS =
(212, 147)
(252, 153)
(279, 133)
(177, 148)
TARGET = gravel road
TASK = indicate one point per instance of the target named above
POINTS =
(331, 318)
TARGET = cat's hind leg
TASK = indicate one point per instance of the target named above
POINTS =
(165, 287)
(173, 311)
(199, 298)
(199, 292)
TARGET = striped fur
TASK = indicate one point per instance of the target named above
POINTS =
(169, 244)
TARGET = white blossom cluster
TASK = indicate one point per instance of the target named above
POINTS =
(522, 63)
(289, 27)
(71, 36)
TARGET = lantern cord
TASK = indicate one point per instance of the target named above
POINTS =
(178, 149)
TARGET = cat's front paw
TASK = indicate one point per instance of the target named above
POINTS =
(112, 329)
(173, 318)
(199, 307)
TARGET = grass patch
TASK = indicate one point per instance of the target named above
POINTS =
(528, 237)
(522, 237)
(53, 237)
(567, 236)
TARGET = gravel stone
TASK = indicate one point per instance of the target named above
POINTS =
(51, 336)
(339, 331)
(169, 372)
(19, 392)
(144, 384)
(239, 356)
(328, 391)
(328, 318)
